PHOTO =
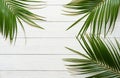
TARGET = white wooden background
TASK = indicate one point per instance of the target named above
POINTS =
(41, 56)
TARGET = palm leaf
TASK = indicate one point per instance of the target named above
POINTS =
(102, 59)
(100, 15)
(13, 12)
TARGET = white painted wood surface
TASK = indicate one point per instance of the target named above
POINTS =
(41, 56)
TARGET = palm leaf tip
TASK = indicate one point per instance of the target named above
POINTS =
(101, 15)
(103, 61)
(13, 12)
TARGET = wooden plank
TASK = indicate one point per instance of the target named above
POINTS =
(55, 13)
(33, 63)
(33, 74)
(41, 46)
(38, 74)
(52, 29)
(58, 29)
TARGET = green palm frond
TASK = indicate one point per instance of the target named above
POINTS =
(102, 59)
(100, 15)
(13, 12)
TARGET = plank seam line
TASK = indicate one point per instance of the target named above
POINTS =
(34, 54)
(44, 37)
(33, 70)
(56, 37)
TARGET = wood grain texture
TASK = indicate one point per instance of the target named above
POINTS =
(33, 62)
(33, 74)
(40, 46)
(57, 30)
